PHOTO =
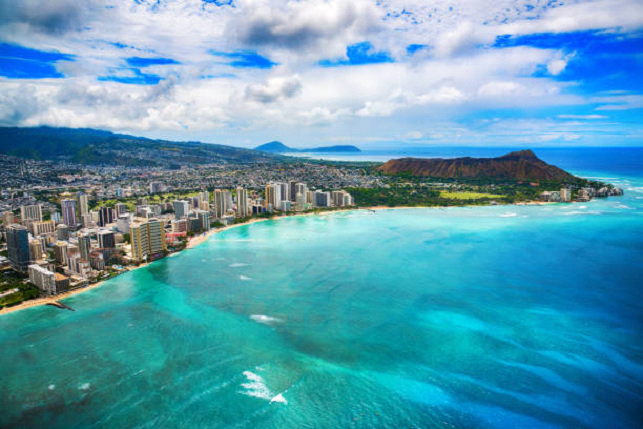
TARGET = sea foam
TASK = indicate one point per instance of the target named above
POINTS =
(256, 387)
(266, 320)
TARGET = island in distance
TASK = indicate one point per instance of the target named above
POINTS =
(279, 147)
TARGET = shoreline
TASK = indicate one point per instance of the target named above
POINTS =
(195, 241)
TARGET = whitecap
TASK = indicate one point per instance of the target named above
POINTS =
(582, 207)
(577, 212)
(242, 277)
(237, 265)
(84, 386)
(51, 386)
(266, 320)
(255, 386)
(279, 398)
(509, 214)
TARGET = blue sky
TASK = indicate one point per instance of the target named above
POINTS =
(309, 72)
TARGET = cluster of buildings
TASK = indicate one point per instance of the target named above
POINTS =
(583, 194)
(75, 245)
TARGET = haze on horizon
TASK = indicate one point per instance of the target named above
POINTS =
(313, 72)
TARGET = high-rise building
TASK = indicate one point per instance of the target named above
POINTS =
(156, 187)
(274, 195)
(242, 202)
(7, 218)
(55, 216)
(123, 223)
(18, 247)
(321, 199)
(300, 202)
(341, 198)
(204, 196)
(181, 208)
(79, 266)
(120, 209)
(68, 208)
(285, 191)
(83, 208)
(31, 213)
(61, 252)
(204, 219)
(43, 279)
(105, 216)
(179, 225)
(292, 190)
(194, 223)
(147, 239)
(566, 194)
(285, 206)
(84, 246)
(62, 232)
(42, 228)
(35, 250)
(300, 188)
(106, 240)
(220, 203)
(62, 282)
(86, 221)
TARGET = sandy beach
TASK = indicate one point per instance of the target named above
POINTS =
(50, 299)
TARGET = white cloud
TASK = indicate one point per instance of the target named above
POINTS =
(582, 116)
(275, 89)
(458, 73)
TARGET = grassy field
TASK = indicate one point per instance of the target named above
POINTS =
(467, 195)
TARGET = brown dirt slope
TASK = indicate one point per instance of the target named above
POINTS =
(519, 165)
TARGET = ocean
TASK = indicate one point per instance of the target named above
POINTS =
(485, 317)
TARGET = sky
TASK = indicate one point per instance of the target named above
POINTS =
(375, 74)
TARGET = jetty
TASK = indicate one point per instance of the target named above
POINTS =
(60, 305)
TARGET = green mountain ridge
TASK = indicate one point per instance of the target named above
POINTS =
(98, 147)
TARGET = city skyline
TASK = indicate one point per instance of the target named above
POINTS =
(376, 75)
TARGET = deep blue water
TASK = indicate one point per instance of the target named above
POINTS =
(622, 160)
(486, 317)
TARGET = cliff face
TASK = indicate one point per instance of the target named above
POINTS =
(520, 165)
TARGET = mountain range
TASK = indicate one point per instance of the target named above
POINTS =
(519, 165)
(96, 147)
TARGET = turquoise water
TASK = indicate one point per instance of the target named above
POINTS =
(487, 317)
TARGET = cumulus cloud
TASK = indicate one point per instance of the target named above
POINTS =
(304, 23)
(53, 17)
(273, 90)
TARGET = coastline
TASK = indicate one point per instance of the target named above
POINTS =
(195, 241)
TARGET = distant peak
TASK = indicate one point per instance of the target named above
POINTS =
(273, 146)
(523, 154)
